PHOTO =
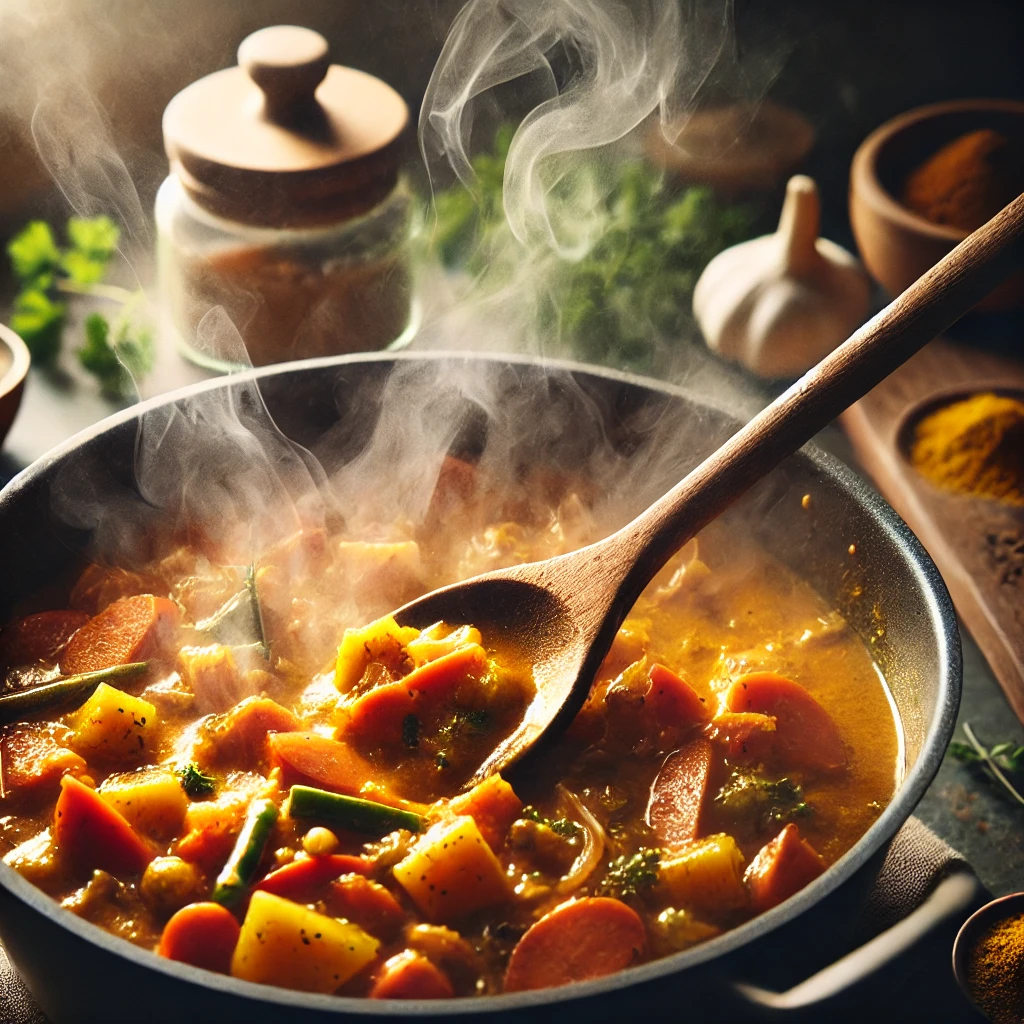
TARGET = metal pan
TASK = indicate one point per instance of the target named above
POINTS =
(891, 594)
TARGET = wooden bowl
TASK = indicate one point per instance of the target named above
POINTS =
(14, 362)
(896, 244)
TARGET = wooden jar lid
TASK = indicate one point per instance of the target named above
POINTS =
(286, 139)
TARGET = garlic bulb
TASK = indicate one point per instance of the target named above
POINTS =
(779, 303)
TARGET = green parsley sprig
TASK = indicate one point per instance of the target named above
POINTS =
(115, 350)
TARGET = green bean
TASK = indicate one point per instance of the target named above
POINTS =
(62, 691)
(350, 812)
(245, 858)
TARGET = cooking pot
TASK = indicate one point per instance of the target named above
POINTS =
(889, 591)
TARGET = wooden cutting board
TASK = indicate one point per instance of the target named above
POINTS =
(978, 545)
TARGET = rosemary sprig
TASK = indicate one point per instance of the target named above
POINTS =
(994, 762)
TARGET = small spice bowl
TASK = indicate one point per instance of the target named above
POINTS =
(14, 363)
(897, 244)
(973, 931)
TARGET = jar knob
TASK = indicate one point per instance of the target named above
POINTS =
(288, 63)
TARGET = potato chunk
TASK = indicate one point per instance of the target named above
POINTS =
(383, 640)
(115, 725)
(452, 872)
(283, 943)
(707, 875)
(151, 800)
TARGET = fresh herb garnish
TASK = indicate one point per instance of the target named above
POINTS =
(995, 763)
(636, 279)
(564, 827)
(114, 350)
(195, 781)
(411, 731)
(764, 802)
(631, 875)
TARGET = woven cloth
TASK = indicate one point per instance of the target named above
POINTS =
(916, 862)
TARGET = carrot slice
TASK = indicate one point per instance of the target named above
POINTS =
(309, 759)
(587, 938)
(33, 763)
(748, 737)
(410, 975)
(493, 805)
(93, 835)
(673, 702)
(241, 734)
(39, 637)
(678, 794)
(201, 934)
(367, 904)
(805, 735)
(781, 868)
(302, 876)
(131, 629)
(377, 716)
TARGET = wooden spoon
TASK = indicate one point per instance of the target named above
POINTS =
(562, 614)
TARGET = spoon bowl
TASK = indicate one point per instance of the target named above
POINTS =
(561, 615)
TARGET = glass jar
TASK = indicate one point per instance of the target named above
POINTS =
(284, 230)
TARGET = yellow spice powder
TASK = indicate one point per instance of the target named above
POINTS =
(974, 446)
(995, 972)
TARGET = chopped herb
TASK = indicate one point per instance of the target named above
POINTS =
(195, 781)
(748, 794)
(631, 875)
(564, 827)
(996, 764)
(411, 731)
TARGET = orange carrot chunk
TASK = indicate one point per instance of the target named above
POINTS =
(410, 975)
(301, 877)
(93, 835)
(805, 735)
(587, 938)
(33, 763)
(673, 702)
(781, 868)
(201, 934)
(130, 629)
(39, 637)
(493, 805)
(677, 795)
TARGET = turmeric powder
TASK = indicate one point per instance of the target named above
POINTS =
(974, 446)
(995, 972)
(968, 181)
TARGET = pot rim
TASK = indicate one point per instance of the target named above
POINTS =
(899, 808)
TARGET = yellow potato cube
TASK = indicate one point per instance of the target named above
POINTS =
(452, 872)
(706, 875)
(150, 799)
(283, 943)
(383, 641)
(115, 725)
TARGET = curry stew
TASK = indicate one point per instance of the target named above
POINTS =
(231, 768)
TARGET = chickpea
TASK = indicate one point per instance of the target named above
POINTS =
(170, 883)
(319, 842)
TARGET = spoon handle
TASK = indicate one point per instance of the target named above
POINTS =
(936, 300)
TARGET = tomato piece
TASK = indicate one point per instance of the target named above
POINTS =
(39, 637)
(677, 795)
(410, 975)
(306, 874)
(805, 735)
(93, 835)
(130, 629)
(587, 938)
(781, 868)
(367, 904)
(201, 934)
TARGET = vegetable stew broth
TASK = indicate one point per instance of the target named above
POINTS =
(274, 768)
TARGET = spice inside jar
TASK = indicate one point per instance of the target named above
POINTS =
(995, 971)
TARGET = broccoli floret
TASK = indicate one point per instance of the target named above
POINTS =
(631, 874)
(564, 827)
(748, 794)
(195, 781)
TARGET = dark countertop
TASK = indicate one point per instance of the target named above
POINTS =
(965, 810)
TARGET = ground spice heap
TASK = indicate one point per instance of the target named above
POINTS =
(968, 181)
(995, 972)
(974, 446)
